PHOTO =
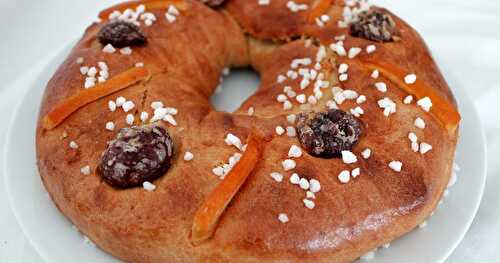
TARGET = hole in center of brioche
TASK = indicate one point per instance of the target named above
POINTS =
(235, 88)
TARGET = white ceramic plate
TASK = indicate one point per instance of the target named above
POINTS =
(58, 242)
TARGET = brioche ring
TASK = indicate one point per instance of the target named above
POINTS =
(351, 134)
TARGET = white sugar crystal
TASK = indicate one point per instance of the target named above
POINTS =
(277, 177)
(250, 111)
(156, 104)
(358, 111)
(331, 104)
(289, 164)
(89, 83)
(233, 140)
(419, 123)
(344, 177)
(295, 178)
(290, 131)
(343, 77)
(173, 10)
(188, 156)
(171, 111)
(128, 105)
(120, 101)
(348, 157)
(425, 103)
(350, 94)
(110, 126)
(85, 170)
(355, 172)
(129, 119)
(312, 100)
(324, 18)
(381, 86)
(148, 186)
(291, 118)
(283, 218)
(295, 152)
(304, 83)
(287, 105)
(111, 106)
(280, 130)
(219, 171)
(425, 148)
(144, 116)
(388, 105)
(79, 60)
(314, 185)
(170, 18)
(264, 2)
(408, 99)
(73, 145)
(103, 66)
(280, 79)
(343, 68)
(370, 49)
(410, 79)
(339, 98)
(139, 65)
(170, 119)
(281, 98)
(361, 99)
(396, 166)
(304, 184)
(366, 153)
(126, 51)
(375, 74)
(308, 203)
(414, 146)
(108, 49)
(292, 74)
(84, 70)
(354, 51)
(310, 195)
(339, 48)
(413, 137)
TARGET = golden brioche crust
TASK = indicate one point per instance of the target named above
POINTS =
(185, 59)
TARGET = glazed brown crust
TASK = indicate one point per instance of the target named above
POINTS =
(186, 59)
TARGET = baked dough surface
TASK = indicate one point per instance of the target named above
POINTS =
(186, 59)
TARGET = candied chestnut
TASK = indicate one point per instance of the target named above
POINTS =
(121, 34)
(213, 3)
(327, 134)
(374, 25)
(138, 154)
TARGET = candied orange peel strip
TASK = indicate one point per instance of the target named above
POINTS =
(208, 214)
(84, 97)
(149, 4)
(443, 110)
(319, 9)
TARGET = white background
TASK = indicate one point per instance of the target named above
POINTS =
(465, 34)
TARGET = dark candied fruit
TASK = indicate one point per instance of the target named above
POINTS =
(213, 3)
(374, 25)
(121, 34)
(138, 154)
(327, 134)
